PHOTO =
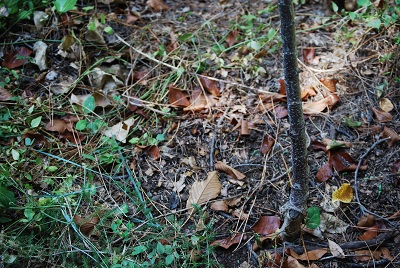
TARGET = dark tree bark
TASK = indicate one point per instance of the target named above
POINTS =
(297, 204)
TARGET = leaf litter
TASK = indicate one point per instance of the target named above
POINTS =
(236, 80)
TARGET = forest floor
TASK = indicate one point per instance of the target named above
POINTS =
(116, 118)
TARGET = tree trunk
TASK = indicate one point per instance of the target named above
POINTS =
(297, 204)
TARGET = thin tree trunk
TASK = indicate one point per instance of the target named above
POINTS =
(297, 204)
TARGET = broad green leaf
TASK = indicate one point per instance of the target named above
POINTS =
(363, 3)
(89, 104)
(15, 154)
(138, 249)
(313, 219)
(51, 168)
(351, 123)
(271, 33)
(184, 37)
(374, 23)
(63, 6)
(335, 7)
(160, 248)
(36, 122)
(81, 125)
(6, 197)
(169, 259)
(109, 30)
(29, 213)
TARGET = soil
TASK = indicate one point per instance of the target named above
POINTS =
(195, 141)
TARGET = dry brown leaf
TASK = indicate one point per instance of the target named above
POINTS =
(220, 206)
(366, 221)
(177, 97)
(5, 95)
(229, 241)
(343, 194)
(342, 161)
(318, 146)
(390, 133)
(308, 55)
(307, 92)
(330, 83)
(281, 112)
(311, 255)
(16, 58)
(267, 225)
(335, 249)
(86, 225)
(131, 17)
(174, 44)
(325, 173)
(38, 139)
(203, 191)
(282, 88)
(291, 262)
(396, 166)
(335, 144)
(56, 125)
(199, 102)
(210, 85)
(157, 5)
(386, 105)
(141, 76)
(73, 136)
(318, 106)
(240, 215)
(230, 171)
(153, 151)
(267, 144)
(381, 116)
(231, 37)
(369, 234)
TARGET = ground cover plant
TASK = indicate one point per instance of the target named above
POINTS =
(155, 134)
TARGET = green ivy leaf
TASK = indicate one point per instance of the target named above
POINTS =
(160, 248)
(138, 249)
(89, 104)
(36, 122)
(169, 259)
(374, 23)
(81, 125)
(6, 197)
(313, 219)
(63, 6)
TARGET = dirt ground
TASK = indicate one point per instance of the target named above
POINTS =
(195, 141)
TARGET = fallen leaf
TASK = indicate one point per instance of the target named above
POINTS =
(325, 173)
(230, 171)
(291, 262)
(335, 249)
(318, 106)
(229, 241)
(131, 17)
(330, 83)
(282, 88)
(267, 144)
(366, 221)
(56, 125)
(343, 194)
(220, 206)
(267, 225)
(367, 254)
(5, 95)
(281, 112)
(307, 92)
(231, 37)
(274, 260)
(381, 116)
(120, 131)
(311, 255)
(177, 97)
(335, 144)
(396, 166)
(386, 105)
(308, 54)
(240, 215)
(391, 134)
(332, 224)
(369, 234)
(157, 5)
(180, 185)
(73, 136)
(86, 225)
(210, 85)
(16, 58)
(244, 128)
(140, 75)
(199, 101)
(342, 161)
(174, 44)
(318, 146)
(153, 151)
(203, 191)
(38, 139)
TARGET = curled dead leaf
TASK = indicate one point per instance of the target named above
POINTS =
(220, 206)
(199, 101)
(308, 54)
(307, 92)
(330, 83)
(318, 106)
(391, 134)
(381, 116)
(311, 255)
(231, 37)
(56, 125)
(342, 161)
(386, 105)
(325, 173)
(229, 241)
(210, 85)
(86, 225)
(267, 144)
(396, 166)
(281, 112)
(366, 221)
(157, 5)
(5, 95)
(16, 57)
(230, 171)
(73, 136)
(282, 88)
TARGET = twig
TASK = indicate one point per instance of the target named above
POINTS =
(212, 143)
(362, 208)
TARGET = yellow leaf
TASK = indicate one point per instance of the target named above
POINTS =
(344, 194)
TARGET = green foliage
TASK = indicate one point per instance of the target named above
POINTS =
(63, 6)
(313, 219)
(17, 10)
